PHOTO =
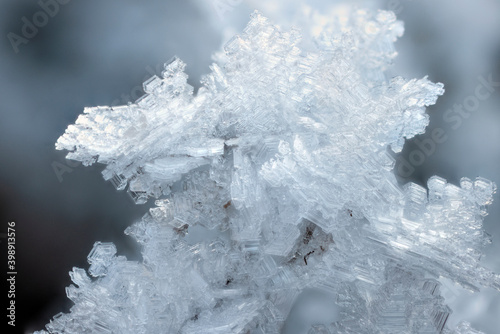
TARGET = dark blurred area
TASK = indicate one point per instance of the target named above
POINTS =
(93, 53)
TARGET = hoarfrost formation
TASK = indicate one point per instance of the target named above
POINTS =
(284, 153)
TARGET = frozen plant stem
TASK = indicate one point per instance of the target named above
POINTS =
(282, 161)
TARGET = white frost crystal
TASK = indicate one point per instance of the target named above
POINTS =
(281, 163)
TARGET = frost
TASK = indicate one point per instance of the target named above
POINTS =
(284, 154)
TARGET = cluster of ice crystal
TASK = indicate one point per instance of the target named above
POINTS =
(284, 154)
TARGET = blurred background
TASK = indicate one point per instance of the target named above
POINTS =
(88, 53)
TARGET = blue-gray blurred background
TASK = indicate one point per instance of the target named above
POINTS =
(91, 52)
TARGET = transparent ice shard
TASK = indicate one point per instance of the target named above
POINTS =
(100, 257)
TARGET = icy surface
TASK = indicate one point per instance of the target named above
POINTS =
(285, 154)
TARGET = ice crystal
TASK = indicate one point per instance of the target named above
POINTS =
(284, 154)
